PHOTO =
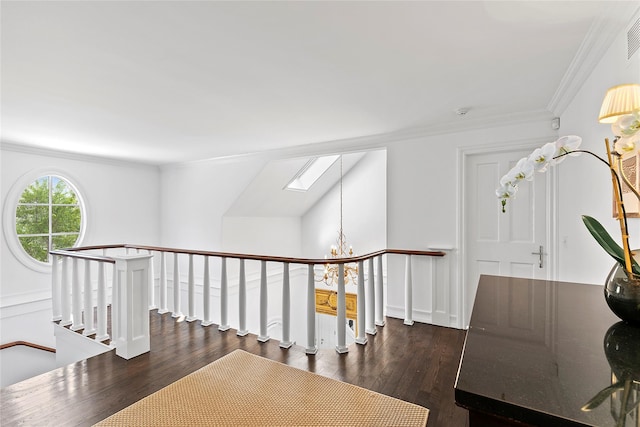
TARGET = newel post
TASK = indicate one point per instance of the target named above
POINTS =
(131, 305)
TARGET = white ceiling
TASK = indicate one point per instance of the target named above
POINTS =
(166, 82)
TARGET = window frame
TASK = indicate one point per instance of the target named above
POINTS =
(12, 202)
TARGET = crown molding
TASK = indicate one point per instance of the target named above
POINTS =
(342, 146)
(380, 141)
(598, 40)
(67, 155)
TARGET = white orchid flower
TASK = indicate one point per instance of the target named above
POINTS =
(522, 170)
(628, 146)
(505, 192)
(541, 157)
(627, 125)
(565, 145)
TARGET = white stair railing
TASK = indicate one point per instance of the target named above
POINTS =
(83, 307)
(133, 281)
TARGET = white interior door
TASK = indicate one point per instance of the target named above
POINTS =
(504, 244)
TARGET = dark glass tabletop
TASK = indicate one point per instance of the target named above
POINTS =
(548, 353)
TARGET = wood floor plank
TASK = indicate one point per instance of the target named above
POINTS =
(414, 363)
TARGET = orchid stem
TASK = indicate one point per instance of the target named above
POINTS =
(622, 217)
(617, 192)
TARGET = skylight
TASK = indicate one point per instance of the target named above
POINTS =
(310, 172)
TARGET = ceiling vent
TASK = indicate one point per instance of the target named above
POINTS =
(633, 39)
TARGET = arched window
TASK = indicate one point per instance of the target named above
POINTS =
(49, 215)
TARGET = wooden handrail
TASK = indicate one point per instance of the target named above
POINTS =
(95, 247)
(75, 253)
(27, 344)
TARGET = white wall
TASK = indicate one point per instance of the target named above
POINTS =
(584, 184)
(122, 201)
(364, 210)
(195, 196)
(278, 236)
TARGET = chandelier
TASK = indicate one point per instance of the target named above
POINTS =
(338, 251)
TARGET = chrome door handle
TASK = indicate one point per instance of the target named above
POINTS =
(540, 253)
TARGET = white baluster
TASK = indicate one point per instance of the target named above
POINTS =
(115, 304)
(408, 292)
(55, 288)
(242, 301)
(152, 284)
(286, 308)
(191, 292)
(89, 329)
(224, 325)
(311, 348)
(371, 301)
(341, 316)
(380, 295)
(361, 338)
(65, 294)
(76, 296)
(206, 294)
(163, 284)
(263, 337)
(177, 297)
(101, 334)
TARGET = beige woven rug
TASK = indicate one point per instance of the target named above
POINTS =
(241, 389)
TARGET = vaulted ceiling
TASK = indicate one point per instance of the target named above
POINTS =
(165, 82)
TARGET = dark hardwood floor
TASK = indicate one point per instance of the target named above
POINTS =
(414, 363)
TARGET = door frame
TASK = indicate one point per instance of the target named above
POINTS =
(551, 215)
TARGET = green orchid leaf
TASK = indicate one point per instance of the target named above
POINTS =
(607, 243)
(602, 396)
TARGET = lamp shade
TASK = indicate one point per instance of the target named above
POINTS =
(619, 100)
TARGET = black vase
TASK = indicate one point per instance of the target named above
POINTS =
(622, 293)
